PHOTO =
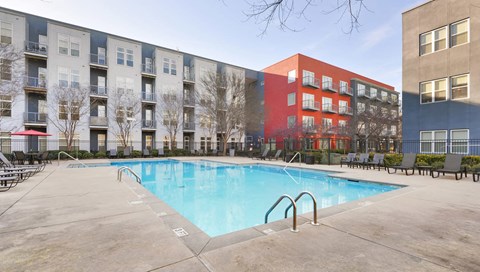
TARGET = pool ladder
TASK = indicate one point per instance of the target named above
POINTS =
(293, 203)
(122, 169)
(293, 158)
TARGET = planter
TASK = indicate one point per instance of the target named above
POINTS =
(309, 159)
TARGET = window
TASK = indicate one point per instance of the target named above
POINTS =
(426, 43)
(5, 32)
(342, 123)
(373, 109)
(459, 33)
(292, 76)
(130, 57)
(309, 79)
(62, 110)
(120, 56)
(433, 141)
(360, 89)
(394, 114)
(166, 65)
(308, 122)
(291, 99)
(433, 41)
(124, 84)
(327, 104)
(433, 91)
(308, 100)
(394, 98)
(68, 45)
(360, 107)
(5, 69)
(63, 77)
(342, 106)
(384, 96)
(75, 79)
(326, 123)
(173, 67)
(291, 121)
(101, 111)
(343, 87)
(62, 142)
(5, 105)
(393, 130)
(5, 142)
(66, 75)
(373, 92)
(459, 141)
(327, 82)
(459, 88)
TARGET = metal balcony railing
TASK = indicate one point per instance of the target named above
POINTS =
(148, 69)
(310, 81)
(345, 90)
(189, 126)
(189, 75)
(330, 86)
(98, 90)
(148, 97)
(35, 82)
(327, 129)
(98, 60)
(330, 108)
(149, 124)
(345, 110)
(98, 121)
(36, 48)
(310, 105)
(188, 102)
(35, 117)
(363, 93)
(309, 129)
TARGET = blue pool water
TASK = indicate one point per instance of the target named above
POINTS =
(221, 198)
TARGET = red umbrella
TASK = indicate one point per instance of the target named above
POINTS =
(31, 132)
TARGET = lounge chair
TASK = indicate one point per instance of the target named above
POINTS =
(277, 155)
(263, 155)
(408, 163)
(362, 160)
(8, 181)
(476, 175)
(348, 160)
(146, 152)
(453, 165)
(376, 161)
(7, 164)
(112, 153)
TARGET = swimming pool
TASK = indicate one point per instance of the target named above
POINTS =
(221, 198)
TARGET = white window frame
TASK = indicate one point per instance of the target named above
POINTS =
(173, 67)
(6, 69)
(120, 56)
(291, 99)
(74, 78)
(433, 91)
(463, 143)
(74, 41)
(327, 82)
(63, 76)
(343, 86)
(292, 76)
(450, 32)
(63, 39)
(327, 123)
(435, 145)
(5, 105)
(361, 107)
(291, 121)
(129, 62)
(468, 87)
(3, 32)
(6, 142)
(361, 89)
(308, 122)
(373, 92)
(434, 40)
(72, 45)
(166, 66)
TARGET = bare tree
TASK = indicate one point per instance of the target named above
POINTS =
(222, 104)
(267, 12)
(252, 116)
(68, 106)
(125, 106)
(171, 104)
(12, 69)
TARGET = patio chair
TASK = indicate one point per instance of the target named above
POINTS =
(146, 153)
(452, 165)
(113, 153)
(43, 158)
(376, 161)
(127, 152)
(7, 164)
(263, 155)
(408, 163)
(19, 157)
(277, 155)
(362, 160)
(348, 160)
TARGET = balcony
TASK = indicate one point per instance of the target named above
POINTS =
(149, 124)
(345, 110)
(309, 81)
(363, 93)
(149, 97)
(189, 126)
(35, 84)
(345, 90)
(376, 97)
(97, 121)
(98, 61)
(188, 76)
(310, 105)
(329, 108)
(35, 118)
(327, 129)
(329, 86)
(36, 50)
(148, 70)
(309, 129)
(222, 81)
(189, 102)
(98, 91)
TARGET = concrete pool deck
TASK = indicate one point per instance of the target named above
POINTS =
(77, 219)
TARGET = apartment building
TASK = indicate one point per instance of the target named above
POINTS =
(441, 71)
(323, 105)
(61, 55)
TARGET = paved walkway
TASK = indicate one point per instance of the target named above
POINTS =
(66, 219)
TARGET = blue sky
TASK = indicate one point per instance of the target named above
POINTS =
(218, 29)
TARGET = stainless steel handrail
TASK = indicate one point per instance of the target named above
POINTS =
(120, 171)
(63, 152)
(294, 228)
(315, 222)
(300, 159)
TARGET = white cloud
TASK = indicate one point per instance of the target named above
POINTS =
(376, 36)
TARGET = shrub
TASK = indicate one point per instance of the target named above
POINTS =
(136, 154)
(100, 155)
(393, 159)
(155, 153)
(437, 165)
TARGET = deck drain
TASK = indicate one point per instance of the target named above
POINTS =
(180, 232)
(135, 202)
(268, 231)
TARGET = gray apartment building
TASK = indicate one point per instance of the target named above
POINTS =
(441, 77)
(58, 54)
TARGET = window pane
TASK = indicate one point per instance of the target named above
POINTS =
(459, 33)
(460, 87)
(440, 39)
